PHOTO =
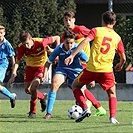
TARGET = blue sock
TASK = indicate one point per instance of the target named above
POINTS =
(6, 92)
(51, 100)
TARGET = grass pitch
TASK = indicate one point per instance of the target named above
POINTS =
(16, 121)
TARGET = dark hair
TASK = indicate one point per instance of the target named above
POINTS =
(24, 35)
(109, 17)
(69, 14)
(69, 34)
(2, 27)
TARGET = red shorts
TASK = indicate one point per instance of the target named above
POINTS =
(32, 72)
(106, 79)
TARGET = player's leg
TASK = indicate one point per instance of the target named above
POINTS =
(112, 104)
(32, 112)
(83, 89)
(40, 95)
(33, 90)
(91, 77)
(71, 75)
(5, 91)
(100, 111)
(80, 98)
(57, 81)
(88, 102)
(10, 95)
(107, 82)
(85, 78)
(30, 74)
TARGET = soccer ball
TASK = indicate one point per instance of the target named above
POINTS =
(74, 112)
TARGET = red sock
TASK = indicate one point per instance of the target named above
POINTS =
(80, 98)
(40, 95)
(33, 103)
(91, 97)
(112, 106)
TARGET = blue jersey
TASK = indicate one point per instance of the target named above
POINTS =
(76, 65)
(6, 51)
(71, 71)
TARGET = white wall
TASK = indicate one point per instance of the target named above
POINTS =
(124, 92)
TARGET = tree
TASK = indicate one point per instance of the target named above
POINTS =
(124, 28)
(1, 15)
(41, 18)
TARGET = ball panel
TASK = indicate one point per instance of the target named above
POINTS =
(74, 112)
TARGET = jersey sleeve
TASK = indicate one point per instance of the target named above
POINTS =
(120, 48)
(85, 31)
(47, 41)
(53, 55)
(10, 50)
(92, 34)
(20, 51)
(83, 57)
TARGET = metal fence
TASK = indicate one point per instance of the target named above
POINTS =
(89, 12)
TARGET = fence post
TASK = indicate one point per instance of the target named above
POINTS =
(110, 5)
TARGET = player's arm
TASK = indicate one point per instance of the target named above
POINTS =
(91, 36)
(50, 60)
(15, 67)
(83, 56)
(85, 31)
(46, 68)
(55, 39)
(13, 62)
(122, 55)
(14, 73)
(119, 65)
(69, 59)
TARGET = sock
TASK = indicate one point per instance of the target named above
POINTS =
(6, 92)
(51, 100)
(33, 103)
(80, 98)
(40, 95)
(112, 106)
(91, 97)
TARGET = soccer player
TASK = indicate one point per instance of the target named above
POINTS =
(35, 52)
(81, 32)
(99, 67)
(6, 53)
(64, 72)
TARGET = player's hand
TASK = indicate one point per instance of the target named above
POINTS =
(118, 67)
(48, 49)
(43, 79)
(69, 60)
(92, 84)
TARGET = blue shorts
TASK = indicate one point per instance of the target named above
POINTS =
(2, 74)
(70, 74)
